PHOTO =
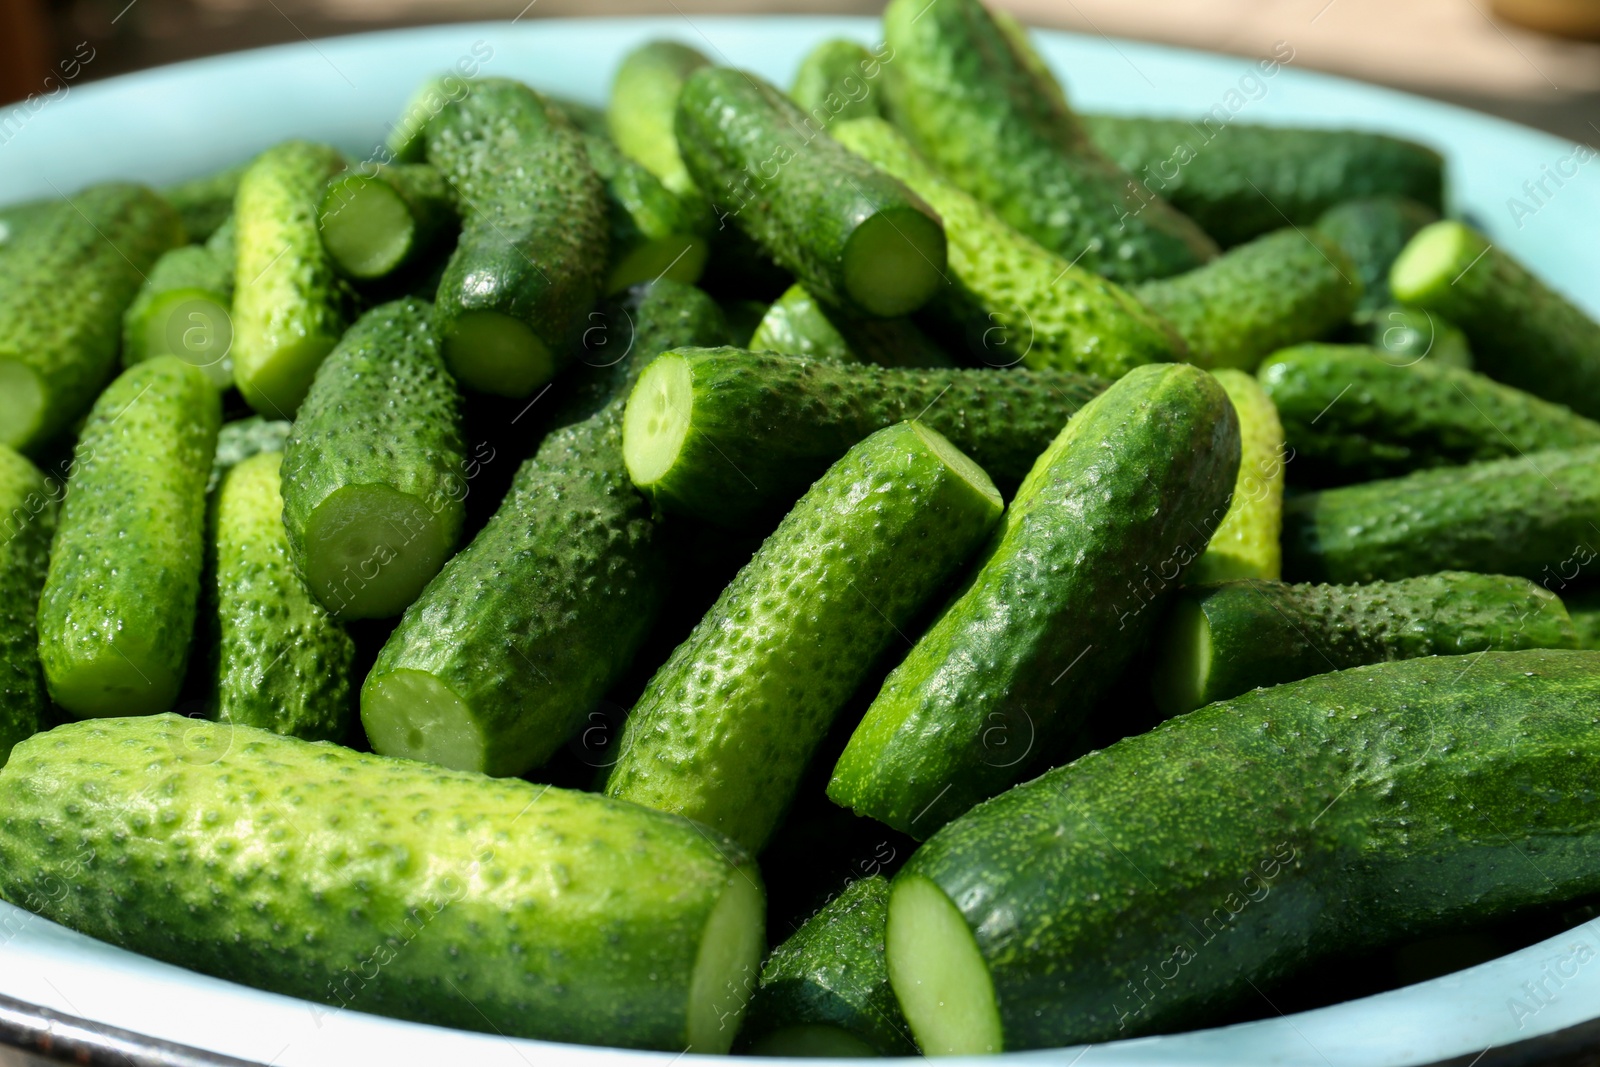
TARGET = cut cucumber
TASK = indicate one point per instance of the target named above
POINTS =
(643, 102)
(655, 233)
(379, 219)
(1247, 544)
(938, 971)
(184, 309)
(798, 324)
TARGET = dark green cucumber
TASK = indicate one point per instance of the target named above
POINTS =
(507, 650)
(1248, 542)
(1012, 301)
(373, 485)
(281, 663)
(1098, 535)
(184, 309)
(383, 885)
(798, 324)
(408, 137)
(1239, 180)
(1222, 640)
(1372, 231)
(976, 106)
(655, 233)
(1411, 335)
(851, 234)
(643, 107)
(376, 220)
(206, 202)
(825, 990)
(726, 727)
(838, 81)
(733, 437)
(27, 524)
(1522, 332)
(68, 270)
(117, 613)
(532, 255)
(1289, 286)
(1149, 886)
(289, 304)
(1504, 516)
(1351, 415)
(240, 439)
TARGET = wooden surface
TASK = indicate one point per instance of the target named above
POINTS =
(24, 51)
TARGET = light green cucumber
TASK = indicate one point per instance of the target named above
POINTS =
(1372, 231)
(408, 137)
(376, 220)
(1247, 543)
(838, 81)
(242, 438)
(644, 104)
(798, 324)
(27, 524)
(655, 233)
(1410, 335)
(184, 309)
(206, 202)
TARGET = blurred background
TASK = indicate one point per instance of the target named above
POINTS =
(1533, 61)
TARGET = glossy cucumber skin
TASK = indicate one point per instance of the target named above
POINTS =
(27, 523)
(798, 324)
(837, 81)
(1248, 543)
(1239, 180)
(125, 565)
(1100, 532)
(352, 880)
(1014, 302)
(1337, 813)
(1521, 516)
(1372, 231)
(1352, 415)
(1288, 286)
(206, 202)
(726, 727)
(68, 269)
(643, 106)
(281, 662)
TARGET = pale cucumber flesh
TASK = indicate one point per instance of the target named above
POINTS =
(119, 678)
(726, 967)
(370, 549)
(657, 419)
(938, 973)
(412, 715)
(366, 226)
(894, 261)
(195, 325)
(678, 257)
(21, 402)
(494, 353)
(1183, 659)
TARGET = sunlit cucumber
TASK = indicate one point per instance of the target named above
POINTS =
(1247, 543)
(27, 523)
(408, 137)
(376, 220)
(838, 81)
(206, 202)
(373, 485)
(184, 309)
(798, 324)
(118, 608)
(655, 233)
(643, 107)
(1372, 231)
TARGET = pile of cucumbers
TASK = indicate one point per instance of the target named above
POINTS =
(442, 585)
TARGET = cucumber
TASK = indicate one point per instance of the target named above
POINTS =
(733, 437)
(376, 220)
(643, 107)
(1584, 608)
(386, 886)
(655, 233)
(1239, 180)
(532, 253)
(977, 107)
(1098, 535)
(1372, 231)
(281, 662)
(28, 504)
(850, 233)
(509, 648)
(1013, 301)
(726, 727)
(1149, 886)
(206, 202)
(1517, 516)
(1522, 332)
(836, 82)
(1288, 286)
(825, 990)
(798, 324)
(68, 270)
(1410, 335)
(289, 304)
(1247, 543)
(117, 612)
(1352, 415)
(1220, 641)
(242, 438)
(408, 137)
(373, 487)
(184, 309)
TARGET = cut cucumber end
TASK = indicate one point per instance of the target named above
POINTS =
(656, 421)
(413, 715)
(21, 403)
(726, 967)
(1183, 659)
(960, 463)
(194, 325)
(113, 682)
(494, 353)
(275, 386)
(894, 261)
(1432, 262)
(938, 972)
(678, 257)
(366, 226)
(808, 1042)
(369, 550)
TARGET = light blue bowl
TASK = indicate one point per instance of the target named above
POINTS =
(179, 121)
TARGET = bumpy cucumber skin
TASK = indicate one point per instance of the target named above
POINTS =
(832, 972)
(1267, 633)
(1015, 302)
(289, 304)
(1289, 286)
(192, 267)
(764, 426)
(640, 209)
(1372, 231)
(240, 439)
(383, 410)
(66, 275)
(1351, 415)
(533, 229)
(125, 565)
(1522, 332)
(281, 663)
(1336, 813)
(726, 727)
(1409, 335)
(206, 202)
(643, 107)
(1099, 533)
(1238, 180)
(27, 523)
(1519, 516)
(798, 324)
(835, 82)
(973, 106)
(1248, 543)
(349, 879)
